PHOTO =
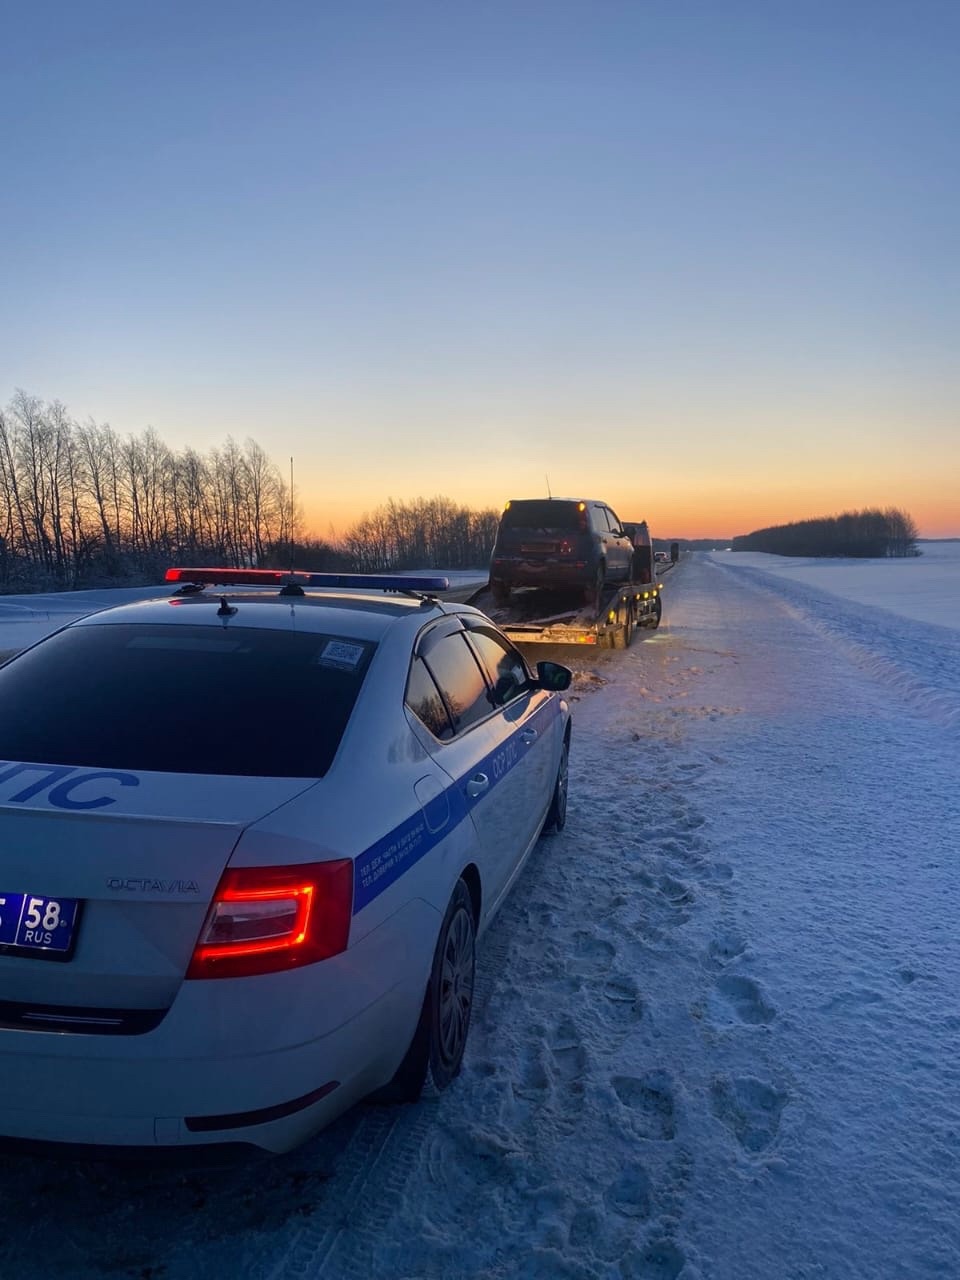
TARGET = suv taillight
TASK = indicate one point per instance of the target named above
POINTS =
(267, 919)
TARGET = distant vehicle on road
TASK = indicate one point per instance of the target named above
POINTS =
(557, 616)
(559, 543)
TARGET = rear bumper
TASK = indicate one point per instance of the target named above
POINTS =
(263, 1061)
(270, 1100)
(543, 573)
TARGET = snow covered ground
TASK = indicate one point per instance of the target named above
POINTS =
(923, 589)
(717, 1033)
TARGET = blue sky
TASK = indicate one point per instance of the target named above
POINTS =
(454, 248)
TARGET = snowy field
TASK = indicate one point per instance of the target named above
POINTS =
(924, 589)
(717, 1033)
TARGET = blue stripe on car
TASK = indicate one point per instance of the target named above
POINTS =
(402, 848)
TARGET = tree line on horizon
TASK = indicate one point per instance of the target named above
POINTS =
(872, 533)
(82, 505)
(424, 533)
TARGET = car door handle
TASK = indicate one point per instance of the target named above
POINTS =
(477, 785)
(528, 735)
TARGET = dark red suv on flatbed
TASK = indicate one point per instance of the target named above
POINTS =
(559, 543)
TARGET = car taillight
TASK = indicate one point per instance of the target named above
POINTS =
(267, 919)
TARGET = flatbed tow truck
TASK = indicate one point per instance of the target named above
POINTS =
(606, 619)
(537, 615)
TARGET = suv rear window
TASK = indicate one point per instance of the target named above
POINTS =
(182, 699)
(545, 513)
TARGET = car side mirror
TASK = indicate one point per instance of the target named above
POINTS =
(553, 676)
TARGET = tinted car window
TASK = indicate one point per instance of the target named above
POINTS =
(544, 514)
(424, 700)
(460, 680)
(505, 668)
(182, 699)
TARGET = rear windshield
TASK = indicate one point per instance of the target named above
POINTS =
(542, 514)
(182, 699)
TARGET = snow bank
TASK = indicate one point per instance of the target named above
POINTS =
(925, 588)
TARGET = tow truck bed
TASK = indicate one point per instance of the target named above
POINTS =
(536, 615)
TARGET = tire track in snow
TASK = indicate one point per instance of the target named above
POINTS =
(369, 1178)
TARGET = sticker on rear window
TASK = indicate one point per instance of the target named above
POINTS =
(337, 653)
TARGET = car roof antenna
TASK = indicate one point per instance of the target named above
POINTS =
(549, 494)
(226, 610)
(293, 550)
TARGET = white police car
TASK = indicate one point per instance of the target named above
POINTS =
(246, 847)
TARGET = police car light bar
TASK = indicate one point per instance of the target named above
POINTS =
(299, 578)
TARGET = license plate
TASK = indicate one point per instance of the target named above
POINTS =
(542, 548)
(32, 925)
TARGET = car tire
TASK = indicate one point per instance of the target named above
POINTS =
(441, 1036)
(556, 818)
(624, 633)
(451, 987)
(657, 615)
(500, 591)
